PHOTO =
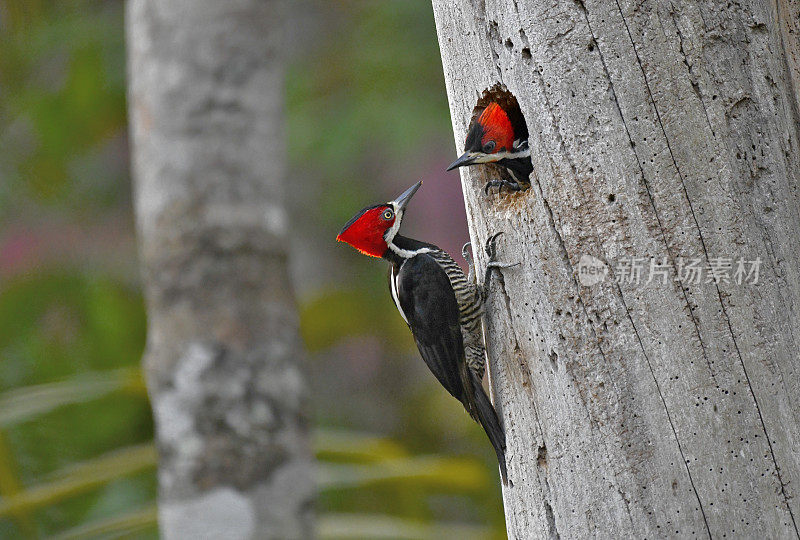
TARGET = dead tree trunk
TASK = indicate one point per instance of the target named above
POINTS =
(669, 132)
(206, 107)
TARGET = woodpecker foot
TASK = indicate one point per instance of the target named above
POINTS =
(491, 253)
(496, 264)
(500, 184)
(466, 252)
(491, 248)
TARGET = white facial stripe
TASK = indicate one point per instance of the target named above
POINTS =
(480, 157)
(398, 216)
(526, 152)
(392, 232)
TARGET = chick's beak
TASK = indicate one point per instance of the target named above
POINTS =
(467, 158)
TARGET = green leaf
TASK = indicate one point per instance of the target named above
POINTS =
(127, 524)
(444, 473)
(10, 486)
(438, 472)
(29, 402)
(329, 526)
(81, 478)
(381, 526)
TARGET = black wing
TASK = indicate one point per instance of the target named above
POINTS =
(429, 304)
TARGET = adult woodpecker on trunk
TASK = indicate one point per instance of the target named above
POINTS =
(441, 306)
(499, 135)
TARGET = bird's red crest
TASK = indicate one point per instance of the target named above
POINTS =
(365, 231)
(496, 127)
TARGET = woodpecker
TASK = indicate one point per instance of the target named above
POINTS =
(442, 306)
(499, 135)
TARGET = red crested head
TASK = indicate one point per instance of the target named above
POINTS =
(496, 127)
(372, 230)
(366, 231)
(489, 139)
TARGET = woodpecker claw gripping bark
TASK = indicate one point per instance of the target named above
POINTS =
(442, 307)
(493, 264)
(491, 245)
(466, 252)
(500, 184)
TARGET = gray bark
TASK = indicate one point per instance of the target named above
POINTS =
(206, 108)
(661, 130)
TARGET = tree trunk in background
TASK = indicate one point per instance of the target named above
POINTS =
(206, 107)
(659, 130)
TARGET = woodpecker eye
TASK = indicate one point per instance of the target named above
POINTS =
(488, 148)
(388, 214)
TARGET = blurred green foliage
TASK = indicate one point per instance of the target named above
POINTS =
(368, 99)
(323, 322)
(69, 345)
(76, 455)
(63, 102)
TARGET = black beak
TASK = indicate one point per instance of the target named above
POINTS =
(465, 159)
(402, 200)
